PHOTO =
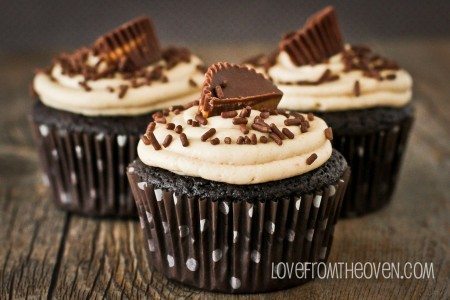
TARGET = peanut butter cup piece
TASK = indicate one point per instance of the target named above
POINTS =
(319, 39)
(230, 87)
(131, 46)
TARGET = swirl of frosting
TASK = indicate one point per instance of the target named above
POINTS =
(102, 96)
(306, 89)
(232, 162)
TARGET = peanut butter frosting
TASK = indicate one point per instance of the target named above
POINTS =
(124, 73)
(268, 146)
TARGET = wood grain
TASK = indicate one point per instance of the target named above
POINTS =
(45, 252)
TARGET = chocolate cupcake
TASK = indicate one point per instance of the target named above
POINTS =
(92, 106)
(230, 187)
(364, 97)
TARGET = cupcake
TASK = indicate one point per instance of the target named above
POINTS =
(364, 97)
(93, 104)
(230, 187)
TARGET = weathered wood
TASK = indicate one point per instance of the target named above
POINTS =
(44, 250)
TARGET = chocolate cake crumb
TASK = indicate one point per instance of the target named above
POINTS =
(264, 114)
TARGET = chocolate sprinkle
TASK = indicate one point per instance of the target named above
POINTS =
(184, 140)
(292, 122)
(215, 141)
(167, 141)
(240, 140)
(192, 83)
(208, 134)
(243, 128)
(261, 128)
(219, 92)
(311, 159)
(263, 139)
(202, 120)
(123, 88)
(151, 127)
(228, 114)
(179, 129)
(253, 139)
(227, 140)
(276, 138)
(170, 126)
(357, 89)
(154, 141)
(329, 133)
(239, 120)
(277, 131)
(310, 117)
(145, 140)
(288, 133)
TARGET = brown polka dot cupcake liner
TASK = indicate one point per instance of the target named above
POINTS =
(375, 159)
(86, 171)
(232, 247)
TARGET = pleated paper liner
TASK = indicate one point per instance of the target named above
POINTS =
(231, 247)
(86, 171)
(375, 159)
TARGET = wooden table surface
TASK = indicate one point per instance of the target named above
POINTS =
(45, 252)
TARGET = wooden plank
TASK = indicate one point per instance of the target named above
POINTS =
(31, 229)
(106, 258)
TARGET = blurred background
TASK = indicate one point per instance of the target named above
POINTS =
(54, 25)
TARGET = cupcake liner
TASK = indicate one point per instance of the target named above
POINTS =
(86, 171)
(230, 247)
(375, 159)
